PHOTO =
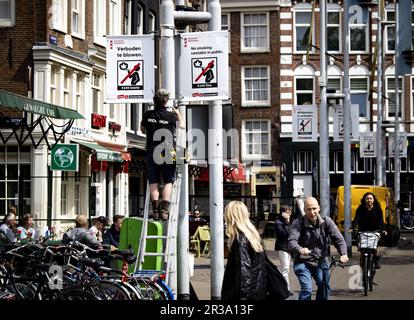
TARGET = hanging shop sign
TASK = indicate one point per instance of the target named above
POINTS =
(113, 126)
(338, 123)
(130, 69)
(204, 66)
(65, 157)
(305, 123)
(98, 121)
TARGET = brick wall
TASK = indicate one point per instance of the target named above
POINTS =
(238, 60)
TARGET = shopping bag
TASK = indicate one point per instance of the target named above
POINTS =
(276, 286)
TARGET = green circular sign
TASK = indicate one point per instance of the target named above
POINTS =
(64, 157)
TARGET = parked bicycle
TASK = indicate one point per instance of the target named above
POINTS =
(367, 245)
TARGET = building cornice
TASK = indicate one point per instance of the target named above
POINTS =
(48, 52)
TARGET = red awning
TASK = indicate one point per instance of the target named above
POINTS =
(126, 156)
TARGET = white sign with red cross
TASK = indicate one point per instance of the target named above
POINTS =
(130, 69)
(204, 66)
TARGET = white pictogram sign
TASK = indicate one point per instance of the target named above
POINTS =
(338, 123)
(130, 69)
(204, 66)
(367, 142)
(402, 145)
(305, 123)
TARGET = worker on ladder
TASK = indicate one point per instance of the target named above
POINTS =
(159, 125)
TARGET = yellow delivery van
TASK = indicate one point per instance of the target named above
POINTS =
(386, 199)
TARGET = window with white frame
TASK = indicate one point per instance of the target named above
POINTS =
(151, 22)
(334, 30)
(229, 81)
(254, 32)
(78, 18)
(127, 16)
(129, 113)
(96, 92)
(255, 86)
(304, 90)
(114, 17)
(364, 165)
(410, 160)
(336, 162)
(67, 89)
(15, 178)
(79, 93)
(359, 94)
(59, 13)
(390, 29)
(142, 108)
(140, 20)
(358, 29)
(99, 22)
(7, 13)
(64, 194)
(256, 143)
(78, 188)
(412, 97)
(302, 162)
(225, 21)
(391, 97)
(53, 92)
(389, 165)
(334, 84)
(225, 25)
(303, 29)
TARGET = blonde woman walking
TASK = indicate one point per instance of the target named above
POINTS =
(245, 273)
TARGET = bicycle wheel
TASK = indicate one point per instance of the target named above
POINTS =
(80, 295)
(365, 274)
(111, 290)
(372, 274)
(407, 220)
(149, 290)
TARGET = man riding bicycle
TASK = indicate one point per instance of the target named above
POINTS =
(369, 217)
(309, 236)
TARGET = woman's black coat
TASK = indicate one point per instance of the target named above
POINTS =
(245, 274)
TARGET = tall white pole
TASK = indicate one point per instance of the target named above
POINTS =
(379, 146)
(347, 134)
(323, 115)
(397, 111)
(183, 235)
(167, 52)
(215, 160)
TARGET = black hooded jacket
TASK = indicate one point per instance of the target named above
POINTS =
(245, 274)
(112, 236)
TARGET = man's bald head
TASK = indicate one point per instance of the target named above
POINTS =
(312, 209)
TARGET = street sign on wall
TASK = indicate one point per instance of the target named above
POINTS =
(204, 65)
(305, 123)
(64, 157)
(338, 123)
(130, 69)
(367, 145)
